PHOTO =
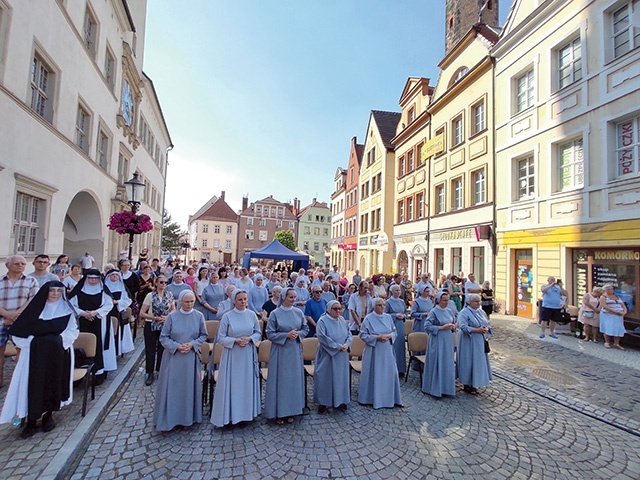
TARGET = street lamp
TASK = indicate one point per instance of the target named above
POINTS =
(135, 191)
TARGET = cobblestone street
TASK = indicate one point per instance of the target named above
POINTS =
(527, 424)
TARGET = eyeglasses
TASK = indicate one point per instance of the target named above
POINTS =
(336, 308)
(317, 291)
(161, 282)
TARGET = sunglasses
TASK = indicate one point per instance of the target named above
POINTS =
(162, 282)
(317, 291)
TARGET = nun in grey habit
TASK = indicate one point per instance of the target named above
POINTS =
(331, 376)
(379, 384)
(473, 363)
(398, 311)
(439, 376)
(179, 392)
(237, 395)
(284, 394)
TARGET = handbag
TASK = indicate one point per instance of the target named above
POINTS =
(588, 314)
(487, 348)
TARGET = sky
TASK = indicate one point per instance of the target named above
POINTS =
(263, 97)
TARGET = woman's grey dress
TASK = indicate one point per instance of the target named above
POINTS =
(284, 394)
(393, 307)
(331, 375)
(179, 391)
(212, 294)
(237, 395)
(439, 376)
(473, 364)
(379, 384)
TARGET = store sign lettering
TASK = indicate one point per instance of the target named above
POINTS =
(458, 234)
(625, 159)
(616, 255)
(581, 283)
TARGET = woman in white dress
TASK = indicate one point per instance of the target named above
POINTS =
(612, 312)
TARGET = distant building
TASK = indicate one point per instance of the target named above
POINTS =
(338, 207)
(79, 117)
(259, 222)
(351, 218)
(213, 232)
(314, 231)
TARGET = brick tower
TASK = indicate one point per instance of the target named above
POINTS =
(461, 15)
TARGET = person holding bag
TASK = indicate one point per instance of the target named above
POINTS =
(589, 314)
(474, 370)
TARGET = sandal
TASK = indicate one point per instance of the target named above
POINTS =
(606, 345)
(280, 421)
(619, 347)
(290, 420)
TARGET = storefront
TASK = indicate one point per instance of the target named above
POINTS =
(619, 267)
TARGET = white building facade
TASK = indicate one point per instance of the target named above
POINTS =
(79, 117)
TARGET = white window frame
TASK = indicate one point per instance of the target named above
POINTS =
(457, 131)
(31, 189)
(457, 194)
(205, 242)
(526, 190)
(103, 148)
(250, 221)
(83, 127)
(627, 147)
(216, 229)
(621, 25)
(263, 235)
(524, 89)
(263, 222)
(42, 81)
(569, 62)
(90, 32)
(248, 234)
(478, 114)
(292, 225)
(479, 178)
(227, 244)
(440, 199)
(5, 17)
(229, 229)
(570, 164)
(205, 228)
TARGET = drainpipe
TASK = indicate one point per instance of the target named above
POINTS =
(494, 238)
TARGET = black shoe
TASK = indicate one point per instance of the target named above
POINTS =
(47, 422)
(342, 407)
(322, 409)
(148, 379)
(30, 430)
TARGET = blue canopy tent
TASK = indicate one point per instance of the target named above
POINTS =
(277, 251)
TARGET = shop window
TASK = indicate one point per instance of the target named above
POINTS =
(438, 254)
(477, 263)
(570, 165)
(456, 260)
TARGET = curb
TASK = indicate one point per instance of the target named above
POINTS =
(63, 463)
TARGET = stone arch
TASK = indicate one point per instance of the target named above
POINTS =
(83, 228)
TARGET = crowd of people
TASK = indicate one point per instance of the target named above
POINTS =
(45, 310)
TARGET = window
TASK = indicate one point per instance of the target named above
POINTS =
(376, 183)
(316, 231)
(205, 228)
(248, 234)
(316, 246)
(401, 166)
(305, 246)
(375, 220)
(411, 116)
(440, 199)
(457, 131)
(227, 244)
(83, 123)
(27, 219)
(409, 161)
(42, 88)
(263, 222)
(524, 91)
(409, 209)
(204, 242)
(625, 35)
(216, 229)
(478, 117)
(526, 178)
(102, 154)
(110, 69)
(371, 156)
(123, 168)
(628, 146)
(479, 187)
(278, 223)
(216, 243)
(569, 63)
(272, 212)
(456, 259)
(249, 221)
(325, 232)
(477, 262)
(90, 31)
(420, 205)
(365, 190)
(438, 254)
(292, 225)
(571, 165)
(364, 223)
(229, 229)
(351, 174)
(310, 218)
(456, 194)
(421, 160)
(262, 236)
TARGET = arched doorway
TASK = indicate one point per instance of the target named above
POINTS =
(403, 261)
(83, 229)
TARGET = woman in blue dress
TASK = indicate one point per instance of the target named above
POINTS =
(379, 384)
(331, 376)
(211, 297)
(439, 376)
(398, 311)
(612, 312)
(237, 395)
(284, 393)
(258, 295)
(474, 370)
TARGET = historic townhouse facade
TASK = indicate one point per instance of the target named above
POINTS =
(411, 220)
(568, 150)
(351, 218)
(338, 207)
(79, 118)
(376, 188)
(213, 232)
(460, 153)
(314, 231)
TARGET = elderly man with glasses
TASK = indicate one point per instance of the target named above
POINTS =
(315, 307)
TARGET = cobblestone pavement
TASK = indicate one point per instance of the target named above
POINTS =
(527, 424)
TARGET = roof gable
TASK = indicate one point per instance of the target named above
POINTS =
(386, 124)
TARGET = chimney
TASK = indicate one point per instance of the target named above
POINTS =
(245, 203)
(222, 195)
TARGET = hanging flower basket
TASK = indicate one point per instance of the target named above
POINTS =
(126, 221)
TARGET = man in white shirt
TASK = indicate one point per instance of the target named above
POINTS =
(470, 286)
(87, 262)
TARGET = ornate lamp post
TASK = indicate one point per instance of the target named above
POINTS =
(135, 191)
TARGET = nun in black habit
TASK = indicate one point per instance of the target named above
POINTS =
(42, 380)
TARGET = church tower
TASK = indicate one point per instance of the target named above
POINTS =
(461, 15)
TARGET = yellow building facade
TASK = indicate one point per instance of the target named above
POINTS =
(567, 80)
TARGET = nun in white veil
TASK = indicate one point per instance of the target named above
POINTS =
(116, 287)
